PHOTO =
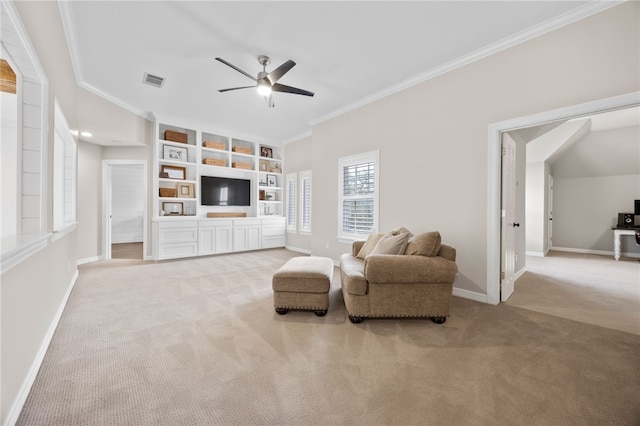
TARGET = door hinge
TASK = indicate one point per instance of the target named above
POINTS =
(502, 275)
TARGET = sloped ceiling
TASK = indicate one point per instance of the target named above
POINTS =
(348, 53)
(606, 144)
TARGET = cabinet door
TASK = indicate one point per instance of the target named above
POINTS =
(240, 238)
(254, 237)
(224, 239)
(207, 241)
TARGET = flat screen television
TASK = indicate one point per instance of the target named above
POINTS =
(219, 191)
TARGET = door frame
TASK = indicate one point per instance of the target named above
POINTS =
(107, 174)
(494, 183)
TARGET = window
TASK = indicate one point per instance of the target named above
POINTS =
(64, 173)
(292, 180)
(305, 201)
(358, 192)
(24, 154)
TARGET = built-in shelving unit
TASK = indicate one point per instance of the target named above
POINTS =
(211, 154)
(181, 224)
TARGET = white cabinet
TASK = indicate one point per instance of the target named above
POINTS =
(177, 239)
(273, 232)
(247, 234)
(215, 236)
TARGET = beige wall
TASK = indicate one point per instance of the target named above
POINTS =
(297, 159)
(33, 291)
(89, 205)
(433, 137)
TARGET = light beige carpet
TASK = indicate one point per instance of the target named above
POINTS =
(197, 342)
(583, 287)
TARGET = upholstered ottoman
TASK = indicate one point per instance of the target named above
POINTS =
(303, 283)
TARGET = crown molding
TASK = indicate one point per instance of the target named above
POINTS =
(560, 21)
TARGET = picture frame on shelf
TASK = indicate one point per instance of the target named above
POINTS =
(175, 172)
(272, 180)
(174, 153)
(185, 190)
(262, 180)
(173, 208)
(264, 165)
(265, 151)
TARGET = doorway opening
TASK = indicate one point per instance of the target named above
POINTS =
(494, 207)
(125, 197)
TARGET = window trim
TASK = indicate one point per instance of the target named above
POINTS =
(366, 157)
(305, 176)
(65, 154)
(291, 178)
(32, 233)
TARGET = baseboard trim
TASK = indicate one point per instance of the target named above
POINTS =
(471, 295)
(298, 249)
(89, 260)
(598, 252)
(534, 253)
(21, 397)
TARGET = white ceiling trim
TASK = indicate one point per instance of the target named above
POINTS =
(521, 37)
(70, 34)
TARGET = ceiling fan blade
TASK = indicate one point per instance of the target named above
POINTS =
(276, 74)
(277, 87)
(236, 68)
(236, 88)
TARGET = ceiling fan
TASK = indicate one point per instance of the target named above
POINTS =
(266, 82)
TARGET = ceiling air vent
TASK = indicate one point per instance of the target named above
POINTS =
(153, 80)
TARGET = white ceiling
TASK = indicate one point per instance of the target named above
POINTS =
(348, 53)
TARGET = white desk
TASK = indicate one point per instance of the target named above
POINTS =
(617, 232)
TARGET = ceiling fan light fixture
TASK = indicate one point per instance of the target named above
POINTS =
(264, 89)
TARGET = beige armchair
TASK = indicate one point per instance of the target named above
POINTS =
(403, 285)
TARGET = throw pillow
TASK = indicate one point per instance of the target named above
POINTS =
(369, 245)
(391, 244)
(427, 244)
(401, 230)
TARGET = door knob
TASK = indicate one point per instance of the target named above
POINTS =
(516, 225)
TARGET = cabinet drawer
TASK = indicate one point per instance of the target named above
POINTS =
(247, 222)
(271, 242)
(215, 223)
(171, 251)
(177, 235)
(273, 231)
(177, 224)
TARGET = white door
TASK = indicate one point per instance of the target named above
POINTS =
(550, 222)
(508, 224)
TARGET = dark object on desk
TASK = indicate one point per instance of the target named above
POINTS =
(638, 238)
(626, 220)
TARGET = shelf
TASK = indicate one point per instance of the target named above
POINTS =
(223, 148)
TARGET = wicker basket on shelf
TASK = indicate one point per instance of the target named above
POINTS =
(214, 145)
(246, 166)
(214, 162)
(242, 150)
